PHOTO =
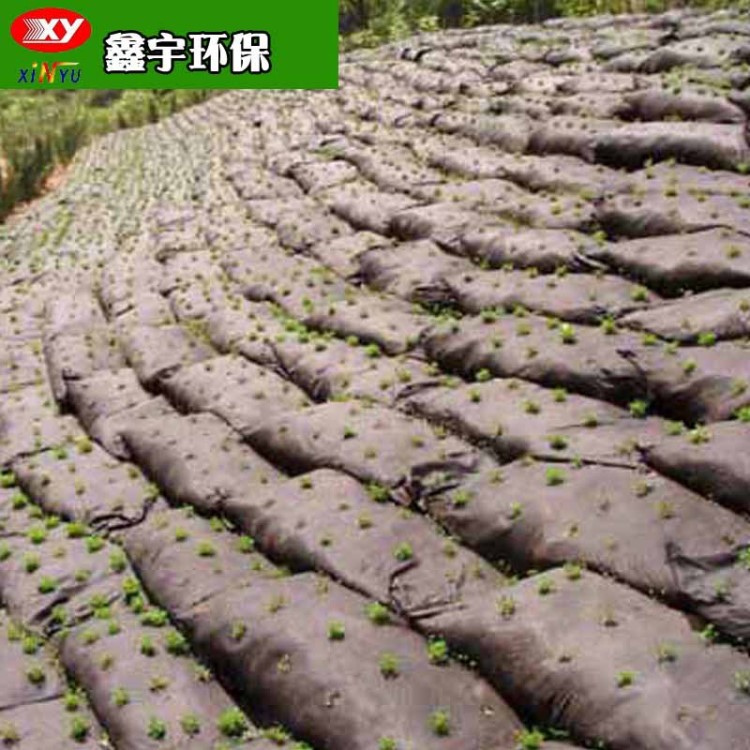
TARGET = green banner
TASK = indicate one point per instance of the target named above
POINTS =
(142, 44)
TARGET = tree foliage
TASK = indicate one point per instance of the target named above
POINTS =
(371, 22)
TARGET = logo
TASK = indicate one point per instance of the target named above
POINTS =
(47, 73)
(50, 30)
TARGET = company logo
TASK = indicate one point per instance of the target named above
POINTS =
(50, 30)
(47, 73)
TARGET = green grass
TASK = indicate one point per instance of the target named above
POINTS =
(41, 130)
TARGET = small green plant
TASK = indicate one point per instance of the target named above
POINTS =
(190, 724)
(554, 476)
(625, 678)
(706, 338)
(440, 723)
(673, 429)
(545, 586)
(35, 674)
(79, 728)
(567, 334)
(483, 375)
(387, 743)
(529, 739)
(206, 549)
(232, 723)
(389, 665)
(403, 552)
(47, 585)
(665, 653)
(9, 734)
(117, 561)
(154, 618)
(176, 644)
(699, 435)
(378, 492)
(689, 366)
(437, 651)
(742, 681)
(7, 480)
(506, 606)
(147, 646)
(639, 294)
(31, 563)
(461, 498)
(37, 535)
(120, 697)
(531, 407)
(336, 631)
(709, 634)
(246, 545)
(638, 408)
(558, 442)
(72, 700)
(5, 551)
(377, 613)
(157, 729)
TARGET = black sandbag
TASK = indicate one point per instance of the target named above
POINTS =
(147, 691)
(670, 212)
(543, 249)
(619, 521)
(373, 443)
(155, 352)
(84, 483)
(713, 461)
(332, 368)
(694, 383)
(21, 364)
(670, 264)
(514, 418)
(328, 521)
(197, 459)
(70, 568)
(30, 422)
(73, 356)
(583, 359)
(656, 104)
(240, 392)
(710, 316)
(576, 297)
(576, 650)
(287, 658)
(188, 559)
(365, 208)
